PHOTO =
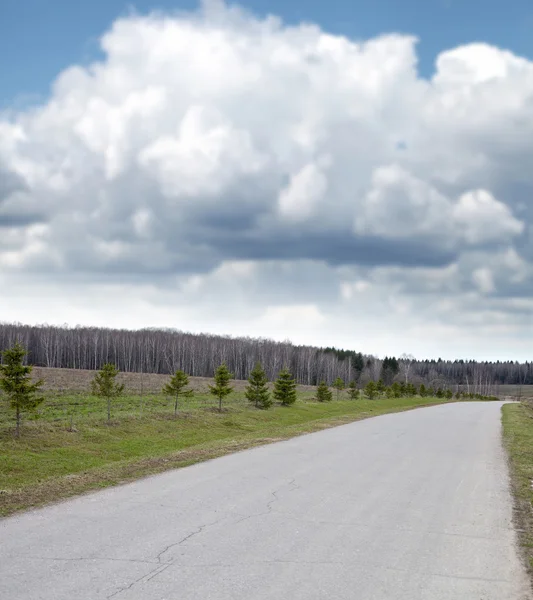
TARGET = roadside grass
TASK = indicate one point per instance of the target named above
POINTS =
(517, 421)
(53, 460)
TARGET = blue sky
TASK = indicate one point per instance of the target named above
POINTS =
(39, 38)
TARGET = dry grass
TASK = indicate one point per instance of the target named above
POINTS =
(79, 380)
(524, 392)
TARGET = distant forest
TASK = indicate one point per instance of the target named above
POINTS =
(164, 351)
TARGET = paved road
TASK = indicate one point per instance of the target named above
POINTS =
(412, 506)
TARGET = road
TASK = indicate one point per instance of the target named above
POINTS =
(409, 506)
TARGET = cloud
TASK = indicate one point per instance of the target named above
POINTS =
(206, 139)
(481, 218)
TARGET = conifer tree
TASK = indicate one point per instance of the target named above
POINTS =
(16, 382)
(353, 392)
(422, 391)
(222, 388)
(371, 390)
(105, 386)
(323, 393)
(410, 389)
(396, 390)
(177, 387)
(257, 391)
(285, 388)
(339, 385)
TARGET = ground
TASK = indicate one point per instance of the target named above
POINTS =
(68, 446)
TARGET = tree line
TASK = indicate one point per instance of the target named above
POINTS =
(166, 351)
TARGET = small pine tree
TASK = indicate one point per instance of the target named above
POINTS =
(16, 382)
(323, 393)
(222, 388)
(449, 394)
(396, 390)
(177, 387)
(410, 390)
(371, 390)
(339, 385)
(257, 391)
(285, 388)
(353, 392)
(105, 386)
(380, 386)
(422, 391)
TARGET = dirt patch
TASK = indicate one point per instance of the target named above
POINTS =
(79, 380)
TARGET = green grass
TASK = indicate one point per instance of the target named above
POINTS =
(50, 461)
(517, 422)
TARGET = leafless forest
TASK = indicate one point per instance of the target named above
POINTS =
(164, 351)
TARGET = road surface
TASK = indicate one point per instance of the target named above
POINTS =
(410, 506)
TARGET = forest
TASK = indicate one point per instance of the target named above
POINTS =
(166, 350)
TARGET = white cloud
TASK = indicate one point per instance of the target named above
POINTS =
(400, 206)
(483, 219)
(278, 165)
(206, 156)
(478, 63)
(304, 194)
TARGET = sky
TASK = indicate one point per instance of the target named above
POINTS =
(328, 173)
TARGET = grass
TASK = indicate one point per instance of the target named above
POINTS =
(517, 422)
(54, 460)
(524, 392)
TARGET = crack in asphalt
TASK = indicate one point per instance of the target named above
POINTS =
(135, 582)
(163, 566)
(158, 561)
(200, 529)
(270, 504)
(91, 558)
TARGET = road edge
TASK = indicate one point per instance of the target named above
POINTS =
(517, 430)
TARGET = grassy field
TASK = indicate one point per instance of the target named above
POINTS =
(518, 438)
(524, 392)
(68, 448)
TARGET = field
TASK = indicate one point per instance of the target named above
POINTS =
(68, 398)
(68, 447)
(515, 391)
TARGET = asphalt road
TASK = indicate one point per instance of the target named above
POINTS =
(411, 506)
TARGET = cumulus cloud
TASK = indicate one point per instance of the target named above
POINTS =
(211, 138)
